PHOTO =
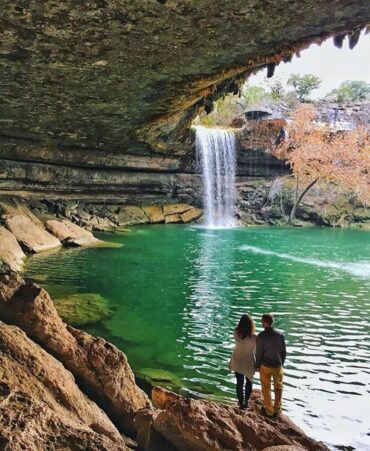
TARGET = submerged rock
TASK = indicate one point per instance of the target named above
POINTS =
(102, 370)
(41, 406)
(157, 376)
(10, 251)
(32, 236)
(82, 308)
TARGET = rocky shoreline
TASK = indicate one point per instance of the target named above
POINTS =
(28, 227)
(62, 388)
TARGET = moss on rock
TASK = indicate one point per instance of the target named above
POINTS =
(83, 308)
(157, 376)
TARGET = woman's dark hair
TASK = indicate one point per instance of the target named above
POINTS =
(246, 327)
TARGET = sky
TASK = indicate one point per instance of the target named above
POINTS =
(329, 63)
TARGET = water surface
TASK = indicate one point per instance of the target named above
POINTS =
(177, 292)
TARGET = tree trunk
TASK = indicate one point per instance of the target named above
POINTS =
(297, 202)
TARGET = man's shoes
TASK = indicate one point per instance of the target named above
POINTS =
(265, 414)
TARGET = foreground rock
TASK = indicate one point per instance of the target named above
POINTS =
(41, 406)
(33, 237)
(189, 424)
(10, 251)
(70, 234)
(102, 370)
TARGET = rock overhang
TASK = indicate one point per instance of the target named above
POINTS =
(128, 77)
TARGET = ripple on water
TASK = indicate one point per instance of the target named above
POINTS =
(178, 292)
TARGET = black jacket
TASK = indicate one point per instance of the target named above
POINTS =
(271, 351)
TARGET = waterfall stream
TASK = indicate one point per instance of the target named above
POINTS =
(217, 160)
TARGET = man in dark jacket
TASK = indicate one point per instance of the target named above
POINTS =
(270, 358)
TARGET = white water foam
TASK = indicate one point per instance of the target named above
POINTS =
(217, 161)
(359, 269)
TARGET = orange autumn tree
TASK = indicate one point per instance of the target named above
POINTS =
(316, 152)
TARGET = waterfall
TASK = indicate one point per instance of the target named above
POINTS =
(217, 160)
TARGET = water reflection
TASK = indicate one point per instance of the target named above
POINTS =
(207, 315)
(178, 292)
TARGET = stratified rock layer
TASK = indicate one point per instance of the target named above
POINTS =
(98, 96)
(41, 406)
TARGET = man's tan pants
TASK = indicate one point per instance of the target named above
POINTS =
(266, 374)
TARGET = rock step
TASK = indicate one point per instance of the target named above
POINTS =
(189, 424)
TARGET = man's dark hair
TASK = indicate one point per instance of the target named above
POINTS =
(268, 318)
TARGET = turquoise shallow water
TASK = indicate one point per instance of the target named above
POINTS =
(177, 292)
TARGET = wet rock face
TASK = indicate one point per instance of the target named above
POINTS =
(85, 80)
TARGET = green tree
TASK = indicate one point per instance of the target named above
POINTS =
(303, 85)
(351, 91)
(277, 90)
(254, 95)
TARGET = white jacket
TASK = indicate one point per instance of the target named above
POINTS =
(243, 358)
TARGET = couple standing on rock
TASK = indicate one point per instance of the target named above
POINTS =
(264, 353)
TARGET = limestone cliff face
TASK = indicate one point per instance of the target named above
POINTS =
(100, 95)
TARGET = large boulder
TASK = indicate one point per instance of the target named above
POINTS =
(102, 370)
(10, 251)
(70, 234)
(154, 213)
(191, 215)
(41, 406)
(130, 215)
(32, 236)
(208, 426)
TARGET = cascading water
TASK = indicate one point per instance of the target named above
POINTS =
(217, 160)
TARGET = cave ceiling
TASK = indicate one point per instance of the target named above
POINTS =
(126, 76)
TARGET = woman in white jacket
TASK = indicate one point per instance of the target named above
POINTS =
(243, 359)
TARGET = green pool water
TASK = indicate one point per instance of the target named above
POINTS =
(177, 292)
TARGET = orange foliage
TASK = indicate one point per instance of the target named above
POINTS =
(315, 151)
(263, 133)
